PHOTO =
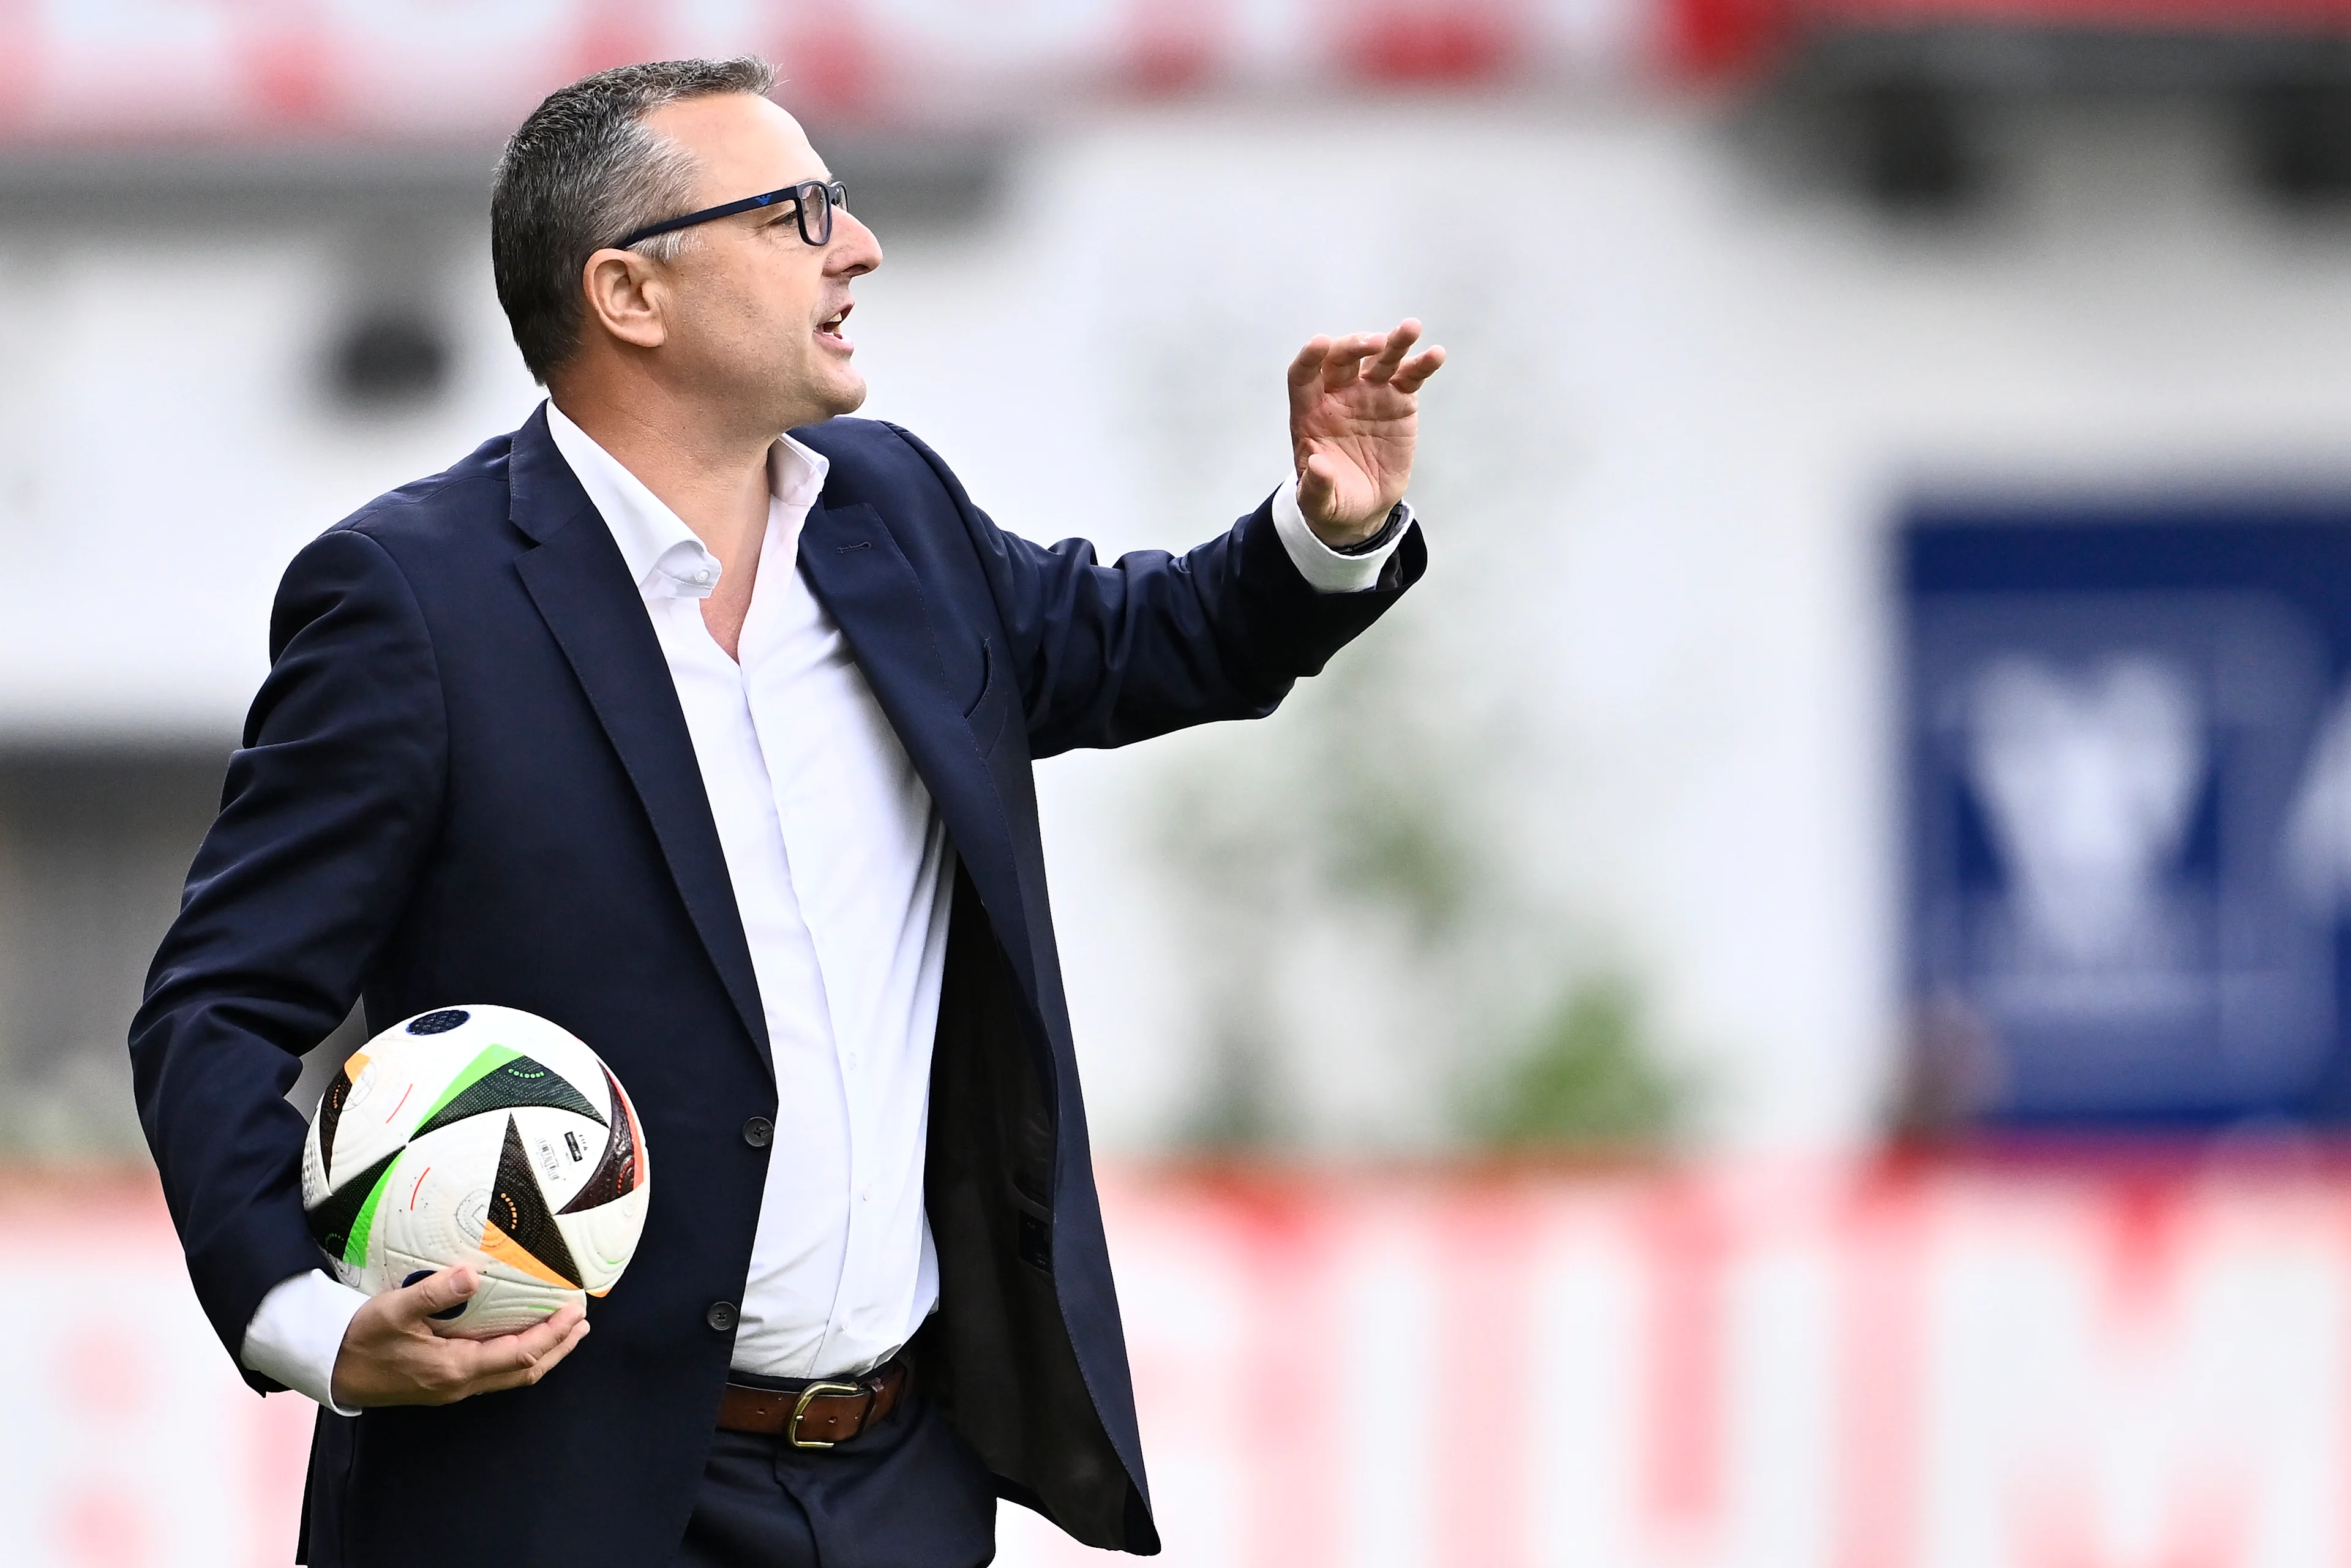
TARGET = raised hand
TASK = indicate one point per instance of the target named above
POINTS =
(1354, 414)
(392, 1357)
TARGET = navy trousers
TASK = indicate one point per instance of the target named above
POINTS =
(907, 1492)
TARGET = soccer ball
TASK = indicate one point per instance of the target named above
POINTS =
(482, 1135)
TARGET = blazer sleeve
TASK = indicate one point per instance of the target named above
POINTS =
(1153, 641)
(328, 807)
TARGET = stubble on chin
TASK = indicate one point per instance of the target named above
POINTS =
(807, 395)
(838, 395)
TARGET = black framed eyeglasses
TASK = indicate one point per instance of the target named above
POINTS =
(813, 203)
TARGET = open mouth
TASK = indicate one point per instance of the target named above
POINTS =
(828, 329)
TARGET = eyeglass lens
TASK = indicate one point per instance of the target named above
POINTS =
(815, 202)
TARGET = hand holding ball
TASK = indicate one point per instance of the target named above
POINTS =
(482, 1136)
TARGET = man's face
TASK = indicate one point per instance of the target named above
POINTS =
(758, 312)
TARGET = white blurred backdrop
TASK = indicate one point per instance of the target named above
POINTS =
(1642, 696)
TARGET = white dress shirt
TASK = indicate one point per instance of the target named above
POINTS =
(843, 874)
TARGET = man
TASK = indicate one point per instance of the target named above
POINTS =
(713, 745)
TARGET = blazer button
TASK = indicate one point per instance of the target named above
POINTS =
(757, 1132)
(721, 1316)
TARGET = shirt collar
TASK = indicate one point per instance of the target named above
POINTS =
(796, 473)
(664, 557)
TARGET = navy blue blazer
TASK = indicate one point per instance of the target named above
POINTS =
(468, 778)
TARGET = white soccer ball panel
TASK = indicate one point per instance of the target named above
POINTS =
(437, 1213)
(603, 1239)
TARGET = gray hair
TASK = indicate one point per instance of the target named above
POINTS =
(581, 171)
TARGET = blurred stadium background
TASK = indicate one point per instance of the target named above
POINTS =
(1790, 1008)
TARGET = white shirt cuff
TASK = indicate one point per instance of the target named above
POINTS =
(297, 1332)
(1326, 571)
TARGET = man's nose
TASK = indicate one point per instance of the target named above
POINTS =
(855, 250)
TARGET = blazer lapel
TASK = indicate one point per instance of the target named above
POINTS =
(869, 585)
(580, 584)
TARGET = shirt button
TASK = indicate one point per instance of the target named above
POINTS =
(757, 1132)
(721, 1316)
(702, 576)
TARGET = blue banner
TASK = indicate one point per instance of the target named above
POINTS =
(2129, 756)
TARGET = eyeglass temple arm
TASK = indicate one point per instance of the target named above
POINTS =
(708, 215)
(728, 210)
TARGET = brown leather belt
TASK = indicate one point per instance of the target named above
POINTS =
(820, 1415)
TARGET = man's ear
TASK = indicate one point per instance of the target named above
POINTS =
(627, 296)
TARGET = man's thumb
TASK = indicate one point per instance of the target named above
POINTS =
(421, 1295)
(1314, 486)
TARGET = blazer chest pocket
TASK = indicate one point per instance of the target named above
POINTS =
(989, 716)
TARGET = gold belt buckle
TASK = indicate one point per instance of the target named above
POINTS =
(792, 1426)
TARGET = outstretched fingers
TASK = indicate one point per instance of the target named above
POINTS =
(1345, 360)
(1417, 370)
(1307, 367)
(1334, 363)
(1398, 343)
